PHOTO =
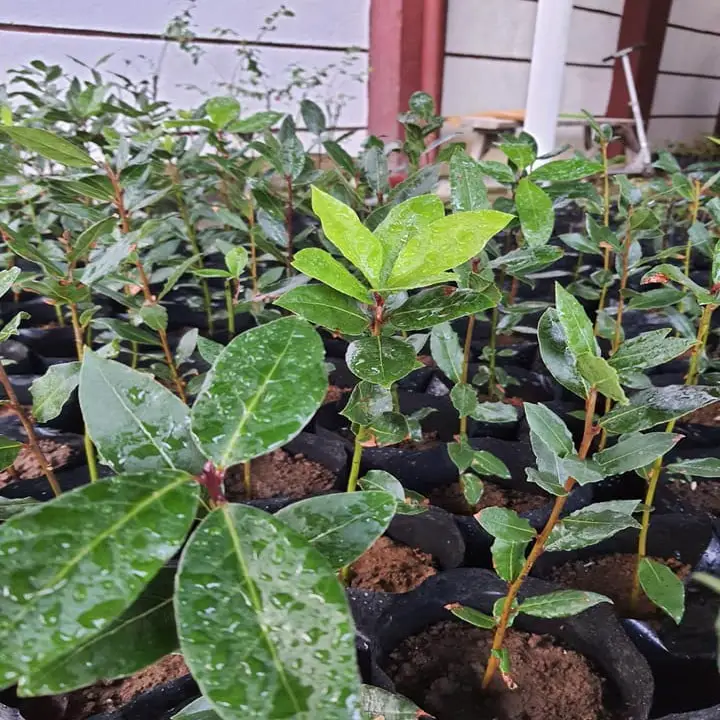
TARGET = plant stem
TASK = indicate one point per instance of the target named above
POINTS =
(606, 223)
(30, 432)
(466, 364)
(539, 545)
(492, 364)
(288, 225)
(59, 315)
(230, 307)
(247, 480)
(134, 357)
(654, 477)
(355, 465)
(80, 351)
(694, 209)
(253, 250)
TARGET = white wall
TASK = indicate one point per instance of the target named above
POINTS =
(332, 25)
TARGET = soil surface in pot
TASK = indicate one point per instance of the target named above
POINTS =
(708, 415)
(429, 440)
(441, 669)
(107, 696)
(279, 474)
(335, 394)
(452, 499)
(612, 575)
(26, 466)
(389, 566)
(703, 496)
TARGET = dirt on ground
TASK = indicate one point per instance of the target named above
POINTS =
(389, 566)
(452, 499)
(26, 466)
(441, 670)
(708, 415)
(703, 496)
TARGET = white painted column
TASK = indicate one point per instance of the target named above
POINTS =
(547, 71)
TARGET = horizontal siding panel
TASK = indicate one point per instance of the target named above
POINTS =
(676, 95)
(686, 51)
(663, 131)
(613, 6)
(586, 89)
(181, 82)
(592, 37)
(700, 14)
(322, 22)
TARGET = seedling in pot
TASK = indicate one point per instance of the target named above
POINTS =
(571, 353)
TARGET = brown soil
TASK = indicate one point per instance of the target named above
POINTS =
(335, 394)
(429, 440)
(26, 466)
(280, 473)
(612, 575)
(104, 697)
(451, 498)
(426, 360)
(702, 496)
(708, 415)
(389, 566)
(441, 669)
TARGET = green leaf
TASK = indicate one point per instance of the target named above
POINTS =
(446, 351)
(51, 391)
(376, 703)
(550, 429)
(340, 156)
(520, 149)
(14, 506)
(464, 398)
(548, 481)
(380, 480)
(154, 316)
(124, 529)
(682, 185)
(9, 450)
(497, 171)
(272, 580)
(472, 616)
(200, 709)
(12, 326)
(209, 349)
(562, 603)
(460, 453)
(186, 346)
(657, 405)
(663, 587)
(535, 210)
(366, 402)
(486, 464)
(222, 111)
(565, 170)
(494, 412)
(8, 278)
(236, 260)
(135, 422)
(451, 241)
(598, 373)
(467, 187)
(663, 273)
(526, 260)
(656, 299)
(344, 230)
(472, 488)
(508, 558)
(84, 242)
(341, 526)
(381, 360)
(321, 305)
(584, 471)
(389, 428)
(634, 452)
(505, 524)
(34, 252)
(556, 354)
(322, 266)
(376, 170)
(649, 349)
(588, 526)
(696, 467)
(129, 332)
(106, 261)
(257, 122)
(576, 324)
(578, 241)
(48, 145)
(145, 632)
(262, 390)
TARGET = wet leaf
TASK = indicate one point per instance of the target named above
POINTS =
(376, 170)
(51, 391)
(467, 186)
(472, 616)
(437, 305)
(84, 242)
(382, 360)
(472, 487)
(565, 170)
(9, 450)
(48, 145)
(584, 471)
(656, 299)
(200, 709)
(341, 526)
(366, 402)
(122, 529)
(548, 481)
(675, 274)
(375, 480)
(657, 405)
(598, 373)
(485, 463)
(14, 506)
(321, 265)
(562, 603)
(461, 454)
(556, 354)
(526, 260)
(508, 558)
(550, 429)
(497, 171)
(587, 527)
(145, 632)
(494, 412)
(464, 398)
(575, 323)
(321, 305)
(520, 149)
(634, 452)
(376, 703)
(261, 392)
(222, 110)
(535, 210)
(505, 524)
(105, 261)
(209, 349)
(344, 230)
(134, 422)
(12, 326)
(446, 351)
(128, 332)
(8, 278)
(649, 349)
(253, 592)
(696, 467)
(663, 587)
(388, 428)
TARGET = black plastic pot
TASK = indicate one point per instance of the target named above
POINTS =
(53, 342)
(712, 713)
(40, 311)
(417, 381)
(22, 360)
(385, 621)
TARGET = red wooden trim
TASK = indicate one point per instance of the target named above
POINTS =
(407, 52)
(643, 22)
